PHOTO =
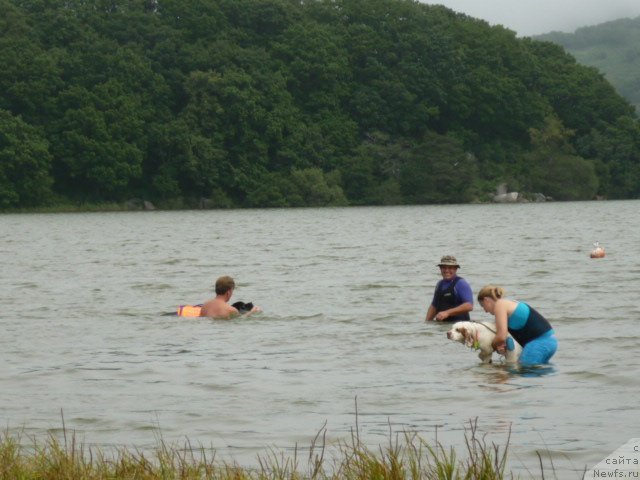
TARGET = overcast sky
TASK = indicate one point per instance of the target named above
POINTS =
(533, 17)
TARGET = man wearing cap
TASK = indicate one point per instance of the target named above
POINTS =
(453, 298)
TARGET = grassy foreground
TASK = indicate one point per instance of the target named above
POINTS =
(406, 456)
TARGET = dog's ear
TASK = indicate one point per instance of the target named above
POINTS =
(465, 335)
(469, 337)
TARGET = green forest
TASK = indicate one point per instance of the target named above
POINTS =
(287, 103)
(613, 48)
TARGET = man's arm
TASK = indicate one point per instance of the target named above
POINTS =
(464, 308)
(431, 313)
(255, 309)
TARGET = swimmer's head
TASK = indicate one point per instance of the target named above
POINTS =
(224, 284)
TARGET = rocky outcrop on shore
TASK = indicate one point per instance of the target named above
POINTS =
(502, 195)
(139, 204)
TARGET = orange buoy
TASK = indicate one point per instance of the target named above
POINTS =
(597, 252)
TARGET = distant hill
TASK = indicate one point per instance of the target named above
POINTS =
(612, 47)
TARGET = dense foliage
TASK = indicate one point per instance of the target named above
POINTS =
(296, 102)
(611, 47)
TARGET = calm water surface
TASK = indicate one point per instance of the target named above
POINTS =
(344, 293)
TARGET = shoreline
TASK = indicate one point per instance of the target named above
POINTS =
(124, 207)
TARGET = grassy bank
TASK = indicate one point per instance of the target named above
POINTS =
(406, 456)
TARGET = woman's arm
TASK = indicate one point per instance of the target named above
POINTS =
(502, 331)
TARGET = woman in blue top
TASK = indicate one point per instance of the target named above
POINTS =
(526, 326)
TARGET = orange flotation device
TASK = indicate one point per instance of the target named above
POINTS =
(597, 252)
(189, 310)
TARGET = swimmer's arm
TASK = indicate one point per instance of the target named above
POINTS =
(255, 309)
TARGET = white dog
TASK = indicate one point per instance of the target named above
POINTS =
(479, 336)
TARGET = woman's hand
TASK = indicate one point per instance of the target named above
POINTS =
(499, 345)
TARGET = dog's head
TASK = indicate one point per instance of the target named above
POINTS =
(243, 307)
(463, 332)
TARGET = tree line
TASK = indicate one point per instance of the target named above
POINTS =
(277, 103)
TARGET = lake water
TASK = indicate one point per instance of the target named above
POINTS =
(344, 293)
